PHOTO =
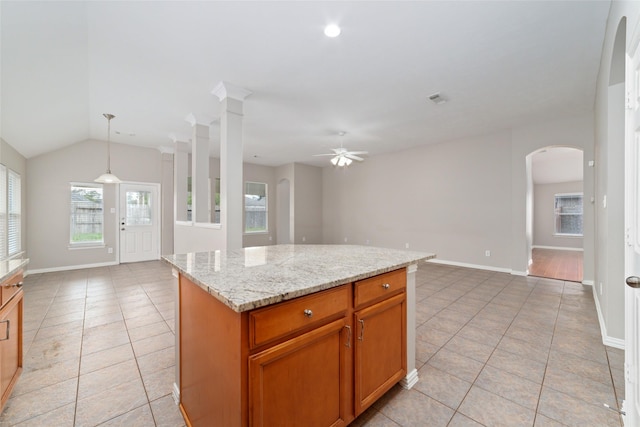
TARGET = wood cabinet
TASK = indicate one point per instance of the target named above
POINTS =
(10, 335)
(317, 360)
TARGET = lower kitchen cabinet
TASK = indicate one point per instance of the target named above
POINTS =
(304, 378)
(10, 339)
(380, 350)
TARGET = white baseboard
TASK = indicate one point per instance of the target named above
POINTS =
(557, 248)
(606, 339)
(464, 264)
(588, 282)
(70, 267)
(519, 273)
(176, 394)
(410, 380)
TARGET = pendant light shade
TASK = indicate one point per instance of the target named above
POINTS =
(108, 177)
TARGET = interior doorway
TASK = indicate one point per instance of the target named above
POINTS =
(557, 190)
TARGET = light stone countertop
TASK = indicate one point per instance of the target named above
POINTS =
(11, 266)
(255, 277)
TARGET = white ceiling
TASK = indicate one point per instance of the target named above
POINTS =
(499, 63)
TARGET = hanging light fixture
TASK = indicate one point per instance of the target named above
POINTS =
(108, 177)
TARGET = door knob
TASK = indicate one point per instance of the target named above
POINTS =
(633, 281)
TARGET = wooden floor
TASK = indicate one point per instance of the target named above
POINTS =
(557, 264)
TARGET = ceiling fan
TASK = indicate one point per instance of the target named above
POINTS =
(343, 157)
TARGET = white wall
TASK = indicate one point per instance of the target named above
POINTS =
(544, 215)
(609, 143)
(457, 199)
(453, 199)
(308, 202)
(48, 183)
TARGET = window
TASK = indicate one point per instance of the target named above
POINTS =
(568, 214)
(216, 202)
(3, 212)
(87, 217)
(255, 207)
(14, 208)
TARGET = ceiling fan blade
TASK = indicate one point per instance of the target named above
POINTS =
(351, 156)
(357, 152)
(332, 154)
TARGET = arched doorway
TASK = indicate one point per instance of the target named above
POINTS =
(555, 209)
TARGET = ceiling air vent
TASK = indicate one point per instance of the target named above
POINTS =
(437, 99)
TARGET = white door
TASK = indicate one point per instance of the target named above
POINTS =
(139, 222)
(632, 249)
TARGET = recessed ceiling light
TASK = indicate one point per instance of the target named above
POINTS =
(332, 30)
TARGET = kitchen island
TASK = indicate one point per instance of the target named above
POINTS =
(293, 334)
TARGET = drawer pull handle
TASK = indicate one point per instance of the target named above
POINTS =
(361, 337)
(348, 344)
(386, 286)
(8, 322)
(308, 313)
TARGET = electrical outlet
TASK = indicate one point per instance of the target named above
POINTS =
(109, 250)
(487, 253)
(304, 239)
(406, 246)
(345, 240)
(367, 241)
(270, 238)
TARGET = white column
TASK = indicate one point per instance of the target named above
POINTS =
(180, 169)
(199, 172)
(231, 179)
(412, 373)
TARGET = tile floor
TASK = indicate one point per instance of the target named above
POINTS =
(492, 350)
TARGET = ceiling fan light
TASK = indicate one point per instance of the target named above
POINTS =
(347, 161)
(342, 161)
(334, 160)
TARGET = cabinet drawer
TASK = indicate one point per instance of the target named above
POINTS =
(379, 287)
(10, 287)
(270, 323)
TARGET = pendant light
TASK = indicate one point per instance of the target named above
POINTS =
(108, 177)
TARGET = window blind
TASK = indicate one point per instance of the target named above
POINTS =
(14, 241)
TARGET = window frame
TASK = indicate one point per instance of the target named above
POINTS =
(557, 215)
(266, 208)
(85, 243)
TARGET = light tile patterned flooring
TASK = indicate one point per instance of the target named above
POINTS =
(492, 349)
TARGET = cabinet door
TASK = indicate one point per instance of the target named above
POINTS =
(380, 349)
(10, 345)
(304, 381)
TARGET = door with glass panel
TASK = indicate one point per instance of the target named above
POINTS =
(139, 222)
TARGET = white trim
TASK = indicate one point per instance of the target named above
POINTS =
(71, 267)
(606, 339)
(558, 248)
(410, 380)
(176, 394)
(185, 223)
(588, 282)
(77, 246)
(519, 273)
(476, 266)
(214, 225)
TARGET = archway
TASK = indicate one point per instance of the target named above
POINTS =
(555, 213)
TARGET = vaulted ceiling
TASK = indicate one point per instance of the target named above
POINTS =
(499, 64)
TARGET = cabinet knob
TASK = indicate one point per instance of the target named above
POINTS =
(308, 313)
(385, 286)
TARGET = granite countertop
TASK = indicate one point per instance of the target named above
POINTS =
(255, 277)
(11, 266)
